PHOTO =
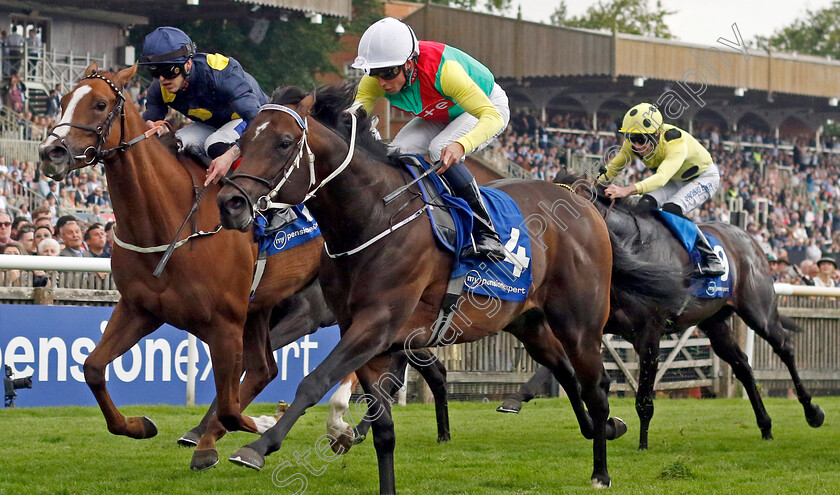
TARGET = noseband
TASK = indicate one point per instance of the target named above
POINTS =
(265, 202)
(94, 154)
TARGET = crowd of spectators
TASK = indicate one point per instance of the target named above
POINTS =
(40, 234)
(789, 198)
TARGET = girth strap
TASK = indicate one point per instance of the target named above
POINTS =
(447, 310)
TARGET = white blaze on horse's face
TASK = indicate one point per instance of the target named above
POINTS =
(260, 129)
(67, 117)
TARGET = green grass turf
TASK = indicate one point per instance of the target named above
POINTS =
(696, 447)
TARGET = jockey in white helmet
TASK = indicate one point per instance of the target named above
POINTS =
(459, 108)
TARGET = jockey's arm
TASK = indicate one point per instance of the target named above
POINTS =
(457, 85)
(617, 163)
(677, 154)
(241, 96)
(368, 92)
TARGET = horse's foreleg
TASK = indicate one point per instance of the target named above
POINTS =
(648, 349)
(378, 384)
(724, 345)
(125, 328)
(357, 346)
(260, 369)
(435, 376)
(513, 403)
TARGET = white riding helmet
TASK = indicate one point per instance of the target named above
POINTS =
(386, 43)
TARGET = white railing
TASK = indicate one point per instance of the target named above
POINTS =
(95, 265)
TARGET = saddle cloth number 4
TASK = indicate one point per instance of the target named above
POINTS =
(515, 255)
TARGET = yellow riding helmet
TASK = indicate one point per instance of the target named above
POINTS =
(644, 118)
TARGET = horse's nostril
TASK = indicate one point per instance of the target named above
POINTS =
(235, 203)
(57, 153)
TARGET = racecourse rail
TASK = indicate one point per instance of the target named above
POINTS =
(501, 360)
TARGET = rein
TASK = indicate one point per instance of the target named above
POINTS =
(95, 154)
(264, 203)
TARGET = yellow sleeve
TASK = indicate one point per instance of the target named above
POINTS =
(457, 85)
(674, 159)
(368, 92)
(617, 163)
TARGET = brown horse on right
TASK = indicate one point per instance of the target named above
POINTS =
(386, 296)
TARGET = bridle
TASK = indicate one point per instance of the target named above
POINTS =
(95, 154)
(265, 203)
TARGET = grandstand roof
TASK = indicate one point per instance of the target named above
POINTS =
(517, 49)
(163, 11)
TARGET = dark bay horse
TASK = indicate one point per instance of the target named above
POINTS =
(206, 284)
(386, 296)
(753, 299)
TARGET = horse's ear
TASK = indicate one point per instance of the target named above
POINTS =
(91, 69)
(305, 105)
(125, 75)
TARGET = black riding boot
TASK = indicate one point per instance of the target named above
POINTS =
(485, 241)
(710, 265)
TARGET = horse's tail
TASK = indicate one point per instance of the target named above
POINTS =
(789, 325)
(641, 285)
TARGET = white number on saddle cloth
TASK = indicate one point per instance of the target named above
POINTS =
(517, 258)
(724, 260)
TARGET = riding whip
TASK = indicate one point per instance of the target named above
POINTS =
(394, 195)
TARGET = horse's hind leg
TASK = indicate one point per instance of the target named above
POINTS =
(125, 328)
(260, 368)
(724, 345)
(778, 332)
(513, 403)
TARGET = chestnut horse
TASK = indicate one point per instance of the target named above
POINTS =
(151, 192)
(386, 295)
(205, 286)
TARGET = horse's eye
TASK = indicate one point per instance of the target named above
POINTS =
(101, 106)
(284, 144)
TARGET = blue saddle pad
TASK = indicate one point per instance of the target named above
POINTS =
(302, 230)
(686, 232)
(508, 279)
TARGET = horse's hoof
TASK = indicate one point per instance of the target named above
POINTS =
(510, 406)
(767, 435)
(248, 457)
(204, 459)
(599, 483)
(444, 438)
(816, 420)
(619, 426)
(342, 443)
(141, 427)
(189, 439)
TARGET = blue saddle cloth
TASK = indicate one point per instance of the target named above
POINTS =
(508, 279)
(686, 232)
(302, 230)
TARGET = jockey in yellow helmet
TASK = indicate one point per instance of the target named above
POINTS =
(684, 174)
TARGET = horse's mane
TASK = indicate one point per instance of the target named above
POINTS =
(331, 101)
(625, 205)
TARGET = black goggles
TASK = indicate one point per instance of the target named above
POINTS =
(640, 139)
(386, 73)
(169, 71)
